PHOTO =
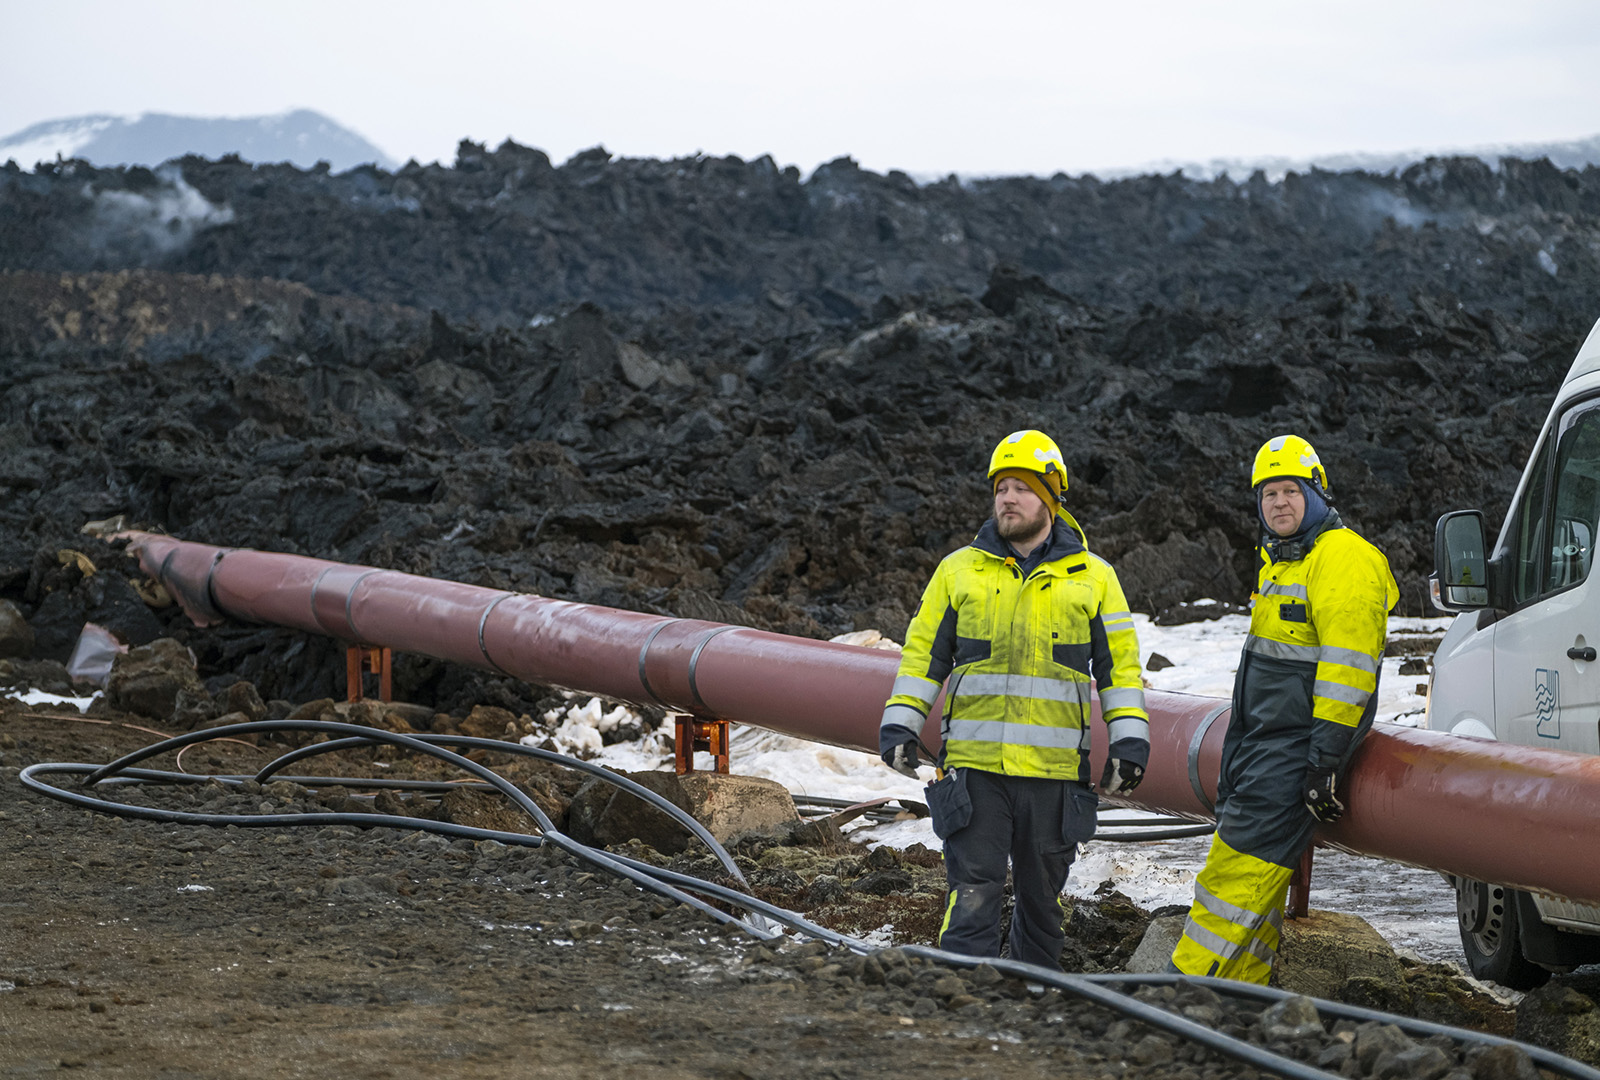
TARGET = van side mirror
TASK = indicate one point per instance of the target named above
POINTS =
(1461, 567)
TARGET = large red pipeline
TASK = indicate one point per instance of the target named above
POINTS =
(1474, 808)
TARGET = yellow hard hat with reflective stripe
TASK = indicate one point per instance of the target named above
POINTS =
(1288, 456)
(1033, 451)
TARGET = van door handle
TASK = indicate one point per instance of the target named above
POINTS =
(1585, 653)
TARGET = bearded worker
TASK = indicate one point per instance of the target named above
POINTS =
(1027, 626)
(1303, 698)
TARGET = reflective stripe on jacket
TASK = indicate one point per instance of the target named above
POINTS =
(1024, 655)
(1330, 613)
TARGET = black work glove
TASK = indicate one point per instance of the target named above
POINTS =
(1320, 797)
(1120, 776)
(902, 758)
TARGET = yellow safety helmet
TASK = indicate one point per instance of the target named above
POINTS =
(1288, 456)
(1035, 452)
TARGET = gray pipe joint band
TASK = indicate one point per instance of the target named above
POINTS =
(1194, 754)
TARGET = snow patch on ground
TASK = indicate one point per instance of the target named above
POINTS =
(881, 938)
(1152, 875)
(808, 768)
(580, 728)
(39, 697)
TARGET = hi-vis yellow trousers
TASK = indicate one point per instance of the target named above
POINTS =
(1237, 917)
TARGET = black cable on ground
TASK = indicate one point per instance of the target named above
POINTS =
(1146, 830)
(1150, 829)
(1097, 989)
(377, 735)
(500, 746)
(1183, 832)
(1545, 1059)
(1076, 985)
(30, 779)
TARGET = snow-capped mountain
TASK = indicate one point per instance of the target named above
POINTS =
(1571, 154)
(302, 137)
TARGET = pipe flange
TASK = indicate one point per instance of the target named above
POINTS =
(483, 622)
(211, 584)
(350, 599)
(644, 654)
(315, 585)
(694, 662)
(161, 574)
(1194, 754)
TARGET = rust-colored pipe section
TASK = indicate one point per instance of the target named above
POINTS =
(813, 689)
(1474, 808)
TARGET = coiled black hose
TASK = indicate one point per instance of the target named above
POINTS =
(1097, 989)
(420, 745)
(272, 768)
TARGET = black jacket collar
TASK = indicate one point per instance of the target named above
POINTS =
(1063, 541)
(1293, 548)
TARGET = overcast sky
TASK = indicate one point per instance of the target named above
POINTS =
(1003, 86)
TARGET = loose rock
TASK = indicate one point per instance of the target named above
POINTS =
(1290, 1019)
(1560, 1018)
(148, 679)
(16, 636)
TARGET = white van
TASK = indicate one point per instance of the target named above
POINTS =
(1519, 663)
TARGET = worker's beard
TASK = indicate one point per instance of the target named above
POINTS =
(1023, 527)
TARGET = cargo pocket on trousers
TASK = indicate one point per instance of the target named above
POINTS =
(948, 804)
(1078, 815)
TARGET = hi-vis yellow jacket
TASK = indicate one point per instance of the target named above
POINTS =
(1328, 611)
(1023, 654)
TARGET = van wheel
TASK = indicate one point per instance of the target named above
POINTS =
(1490, 937)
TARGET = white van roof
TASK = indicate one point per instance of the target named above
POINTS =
(1588, 357)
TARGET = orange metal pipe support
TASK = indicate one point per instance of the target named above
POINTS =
(1473, 808)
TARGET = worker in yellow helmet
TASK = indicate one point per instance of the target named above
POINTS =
(1028, 628)
(1304, 697)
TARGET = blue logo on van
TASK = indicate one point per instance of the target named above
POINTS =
(1547, 703)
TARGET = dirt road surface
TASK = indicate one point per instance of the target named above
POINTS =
(139, 949)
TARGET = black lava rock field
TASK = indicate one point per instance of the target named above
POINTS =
(712, 388)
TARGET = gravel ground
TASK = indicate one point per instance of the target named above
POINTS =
(143, 949)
